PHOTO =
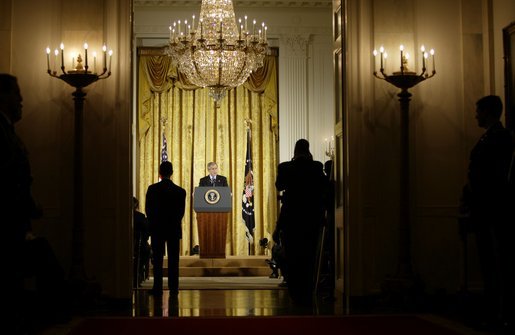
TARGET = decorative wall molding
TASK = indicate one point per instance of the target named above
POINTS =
(295, 45)
(238, 3)
(293, 104)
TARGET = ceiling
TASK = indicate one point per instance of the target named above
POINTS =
(237, 3)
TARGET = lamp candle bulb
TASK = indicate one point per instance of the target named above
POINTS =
(246, 23)
(381, 50)
(402, 58)
(62, 56)
(48, 59)
(432, 52)
(110, 59)
(193, 23)
(56, 53)
(86, 56)
(423, 50)
(104, 49)
(266, 28)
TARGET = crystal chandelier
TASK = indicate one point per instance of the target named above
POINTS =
(216, 53)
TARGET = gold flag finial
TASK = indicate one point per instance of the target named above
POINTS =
(247, 122)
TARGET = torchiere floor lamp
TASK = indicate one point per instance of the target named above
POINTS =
(79, 77)
(404, 79)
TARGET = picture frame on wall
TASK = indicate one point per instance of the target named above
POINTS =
(509, 74)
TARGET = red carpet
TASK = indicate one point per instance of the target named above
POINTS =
(280, 325)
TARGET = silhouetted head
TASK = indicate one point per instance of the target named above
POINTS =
(165, 170)
(302, 150)
(488, 110)
(328, 165)
(10, 97)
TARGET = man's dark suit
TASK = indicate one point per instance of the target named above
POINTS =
(486, 198)
(302, 212)
(165, 204)
(219, 181)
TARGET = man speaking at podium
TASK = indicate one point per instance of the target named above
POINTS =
(213, 179)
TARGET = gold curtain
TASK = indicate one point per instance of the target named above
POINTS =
(197, 133)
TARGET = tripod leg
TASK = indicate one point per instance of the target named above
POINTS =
(319, 258)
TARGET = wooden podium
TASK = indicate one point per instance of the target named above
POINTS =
(212, 205)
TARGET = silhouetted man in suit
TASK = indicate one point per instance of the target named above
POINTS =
(165, 204)
(486, 201)
(23, 254)
(141, 245)
(17, 206)
(302, 215)
(213, 178)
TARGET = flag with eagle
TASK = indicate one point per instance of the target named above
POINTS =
(164, 150)
(247, 211)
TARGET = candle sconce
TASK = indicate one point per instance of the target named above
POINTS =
(329, 147)
(404, 79)
(79, 77)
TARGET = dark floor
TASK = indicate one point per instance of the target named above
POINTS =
(224, 302)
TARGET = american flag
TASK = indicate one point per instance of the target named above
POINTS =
(164, 150)
(247, 203)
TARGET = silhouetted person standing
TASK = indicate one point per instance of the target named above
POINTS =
(302, 213)
(17, 206)
(165, 204)
(141, 246)
(485, 200)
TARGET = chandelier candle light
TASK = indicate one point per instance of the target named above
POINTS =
(214, 51)
(404, 79)
(79, 77)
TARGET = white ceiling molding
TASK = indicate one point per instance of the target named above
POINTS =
(238, 3)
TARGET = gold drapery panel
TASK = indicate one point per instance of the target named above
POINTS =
(197, 133)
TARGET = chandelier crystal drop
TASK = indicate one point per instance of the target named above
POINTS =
(215, 51)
